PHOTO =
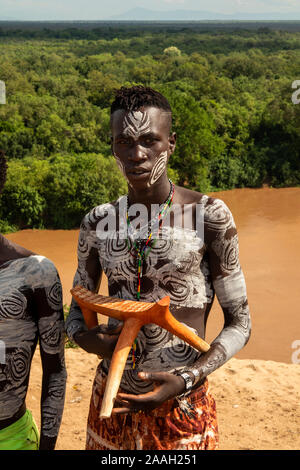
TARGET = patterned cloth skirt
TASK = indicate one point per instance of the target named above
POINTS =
(164, 428)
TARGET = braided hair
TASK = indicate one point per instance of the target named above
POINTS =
(135, 97)
(3, 169)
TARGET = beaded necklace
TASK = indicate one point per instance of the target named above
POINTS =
(141, 249)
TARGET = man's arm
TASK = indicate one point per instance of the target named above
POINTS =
(221, 241)
(49, 311)
(88, 275)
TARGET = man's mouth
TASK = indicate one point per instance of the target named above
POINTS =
(137, 171)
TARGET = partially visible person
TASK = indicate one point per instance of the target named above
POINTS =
(31, 312)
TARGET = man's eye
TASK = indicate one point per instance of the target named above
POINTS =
(149, 140)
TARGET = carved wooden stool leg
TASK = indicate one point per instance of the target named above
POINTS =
(127, 336)
(90, 317)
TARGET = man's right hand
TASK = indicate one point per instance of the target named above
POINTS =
(100, 340)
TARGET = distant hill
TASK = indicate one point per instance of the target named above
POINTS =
(142, 14)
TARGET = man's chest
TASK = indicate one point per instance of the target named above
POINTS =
(176, 252)
(172, 264)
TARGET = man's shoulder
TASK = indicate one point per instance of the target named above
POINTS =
(32, 271)
(38, 265)
(217, 215)
(189, 196)
(42, 262)
(33, 261)
(96, 214)
(210, 203)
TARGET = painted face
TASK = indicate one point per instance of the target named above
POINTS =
(141, 145)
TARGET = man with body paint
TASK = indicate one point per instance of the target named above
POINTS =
(30, 312)
(163, 401)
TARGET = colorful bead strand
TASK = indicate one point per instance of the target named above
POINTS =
(141, 255)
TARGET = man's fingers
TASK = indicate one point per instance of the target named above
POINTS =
(137, 401)
(154, 376)
(122, 411)
(108, 330)
(122, 406)
(129, 403)
(115, 331)
(119, 401)
(131, 400)
(125, 397)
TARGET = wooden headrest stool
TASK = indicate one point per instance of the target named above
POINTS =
(134, 315)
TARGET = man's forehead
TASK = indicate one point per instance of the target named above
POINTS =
(148, 117)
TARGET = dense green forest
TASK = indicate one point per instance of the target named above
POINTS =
(232, 110)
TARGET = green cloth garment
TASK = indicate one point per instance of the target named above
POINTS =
(21, 435)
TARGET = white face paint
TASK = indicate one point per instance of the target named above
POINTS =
(122, 168)
(136, 123)
(158, 168)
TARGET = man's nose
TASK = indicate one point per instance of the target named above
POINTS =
(137, 153)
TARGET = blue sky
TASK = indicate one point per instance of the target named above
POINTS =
(103, 9)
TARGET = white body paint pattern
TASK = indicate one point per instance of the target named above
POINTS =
(158, 168)
(180, 266)
(31, 311)
(136, 123)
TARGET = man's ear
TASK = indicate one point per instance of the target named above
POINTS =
(172, 142)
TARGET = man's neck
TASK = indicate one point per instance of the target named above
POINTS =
(155, 194)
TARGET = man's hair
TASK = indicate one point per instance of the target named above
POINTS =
(133, 98)
(3, 169)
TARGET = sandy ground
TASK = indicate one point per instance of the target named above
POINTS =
(258, 402)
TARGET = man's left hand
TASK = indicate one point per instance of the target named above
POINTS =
(166, 386)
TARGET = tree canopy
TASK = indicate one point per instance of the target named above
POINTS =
(230, 92)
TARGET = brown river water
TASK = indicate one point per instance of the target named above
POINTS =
(268, 222)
